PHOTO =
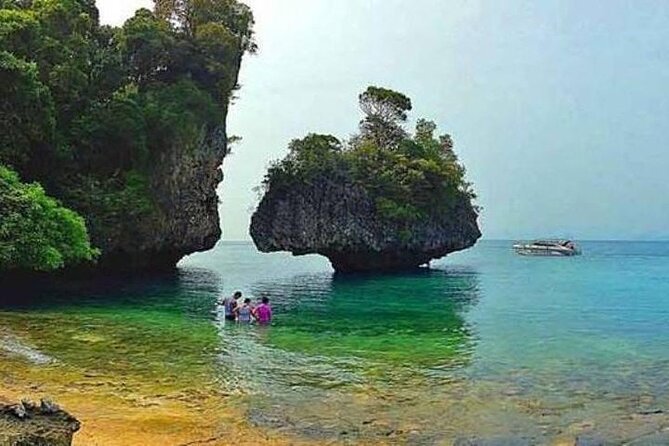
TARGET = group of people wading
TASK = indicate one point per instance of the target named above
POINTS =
(246, 312)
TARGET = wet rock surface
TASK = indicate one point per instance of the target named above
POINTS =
(30, 424)
(336, 218)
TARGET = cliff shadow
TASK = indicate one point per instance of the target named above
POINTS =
(189, 289)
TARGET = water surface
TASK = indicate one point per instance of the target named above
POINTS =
(486, 344)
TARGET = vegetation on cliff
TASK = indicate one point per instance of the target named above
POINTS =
(87, 110)
(36, 233)
(408, 176)
(384, 200)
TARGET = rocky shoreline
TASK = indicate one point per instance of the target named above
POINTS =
(30, 424)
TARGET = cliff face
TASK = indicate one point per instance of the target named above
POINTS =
(336, 218)
(184, 214)
(120, 131)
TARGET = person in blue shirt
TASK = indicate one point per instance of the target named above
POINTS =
(230, 305)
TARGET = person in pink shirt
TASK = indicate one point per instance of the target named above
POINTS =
(263, 312)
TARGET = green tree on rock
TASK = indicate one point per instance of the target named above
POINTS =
(36, 232)
(385, 114)
(27, 116)
(409, 177)
(89, 113)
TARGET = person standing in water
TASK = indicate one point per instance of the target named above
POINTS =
(263, 312)
(230, 305)
(245, 312)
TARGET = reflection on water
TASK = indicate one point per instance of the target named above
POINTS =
(501, 345)
(331, 332)
(336, 345)
(192, 289)
(414, 320)
(355, 345)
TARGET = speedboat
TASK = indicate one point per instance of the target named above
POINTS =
(561, 248)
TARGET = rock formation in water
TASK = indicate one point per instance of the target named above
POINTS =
(338, 219)
(184, 214)
(387, 201)
(28, 424)
(115, 135)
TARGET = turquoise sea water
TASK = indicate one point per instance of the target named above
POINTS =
(486, 344)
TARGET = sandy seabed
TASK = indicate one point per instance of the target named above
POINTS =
(113, 413)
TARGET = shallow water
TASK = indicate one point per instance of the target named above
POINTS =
(487, 344)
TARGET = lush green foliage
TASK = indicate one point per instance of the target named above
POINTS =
(408, 176)
(87, 108)
(36, 232)
(26, 111)
(385, 114)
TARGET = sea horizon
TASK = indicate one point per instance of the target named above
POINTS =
(486, 239)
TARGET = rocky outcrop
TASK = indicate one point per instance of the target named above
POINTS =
(28, 424)
(336, 218)
(184, 215)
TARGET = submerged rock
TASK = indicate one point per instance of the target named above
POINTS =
(29, 424)
(337, 218)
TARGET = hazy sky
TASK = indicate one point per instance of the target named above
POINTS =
(559, 109)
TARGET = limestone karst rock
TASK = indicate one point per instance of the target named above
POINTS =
(337, 219)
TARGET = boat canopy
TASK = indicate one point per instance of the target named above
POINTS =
(552, 242)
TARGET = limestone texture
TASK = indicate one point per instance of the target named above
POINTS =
(336, 218)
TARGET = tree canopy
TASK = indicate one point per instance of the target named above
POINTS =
(86, 108)
(385, 114)
(409, 176)
(36, 232)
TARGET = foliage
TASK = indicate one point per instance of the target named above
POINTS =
(145, 44)
(385, 112)
(189, 15)
(307, 158)
(19, 31)
(26, 111)
(36, 232)
(408, 176)
(87, 108)
(176, 114)
(114, 202)
(113, 135)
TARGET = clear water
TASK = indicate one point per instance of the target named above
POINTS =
(487, 344)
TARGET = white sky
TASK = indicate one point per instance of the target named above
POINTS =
(558, 109)
(115, 12)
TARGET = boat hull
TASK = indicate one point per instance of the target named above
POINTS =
(547, 249)
(545, 252)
